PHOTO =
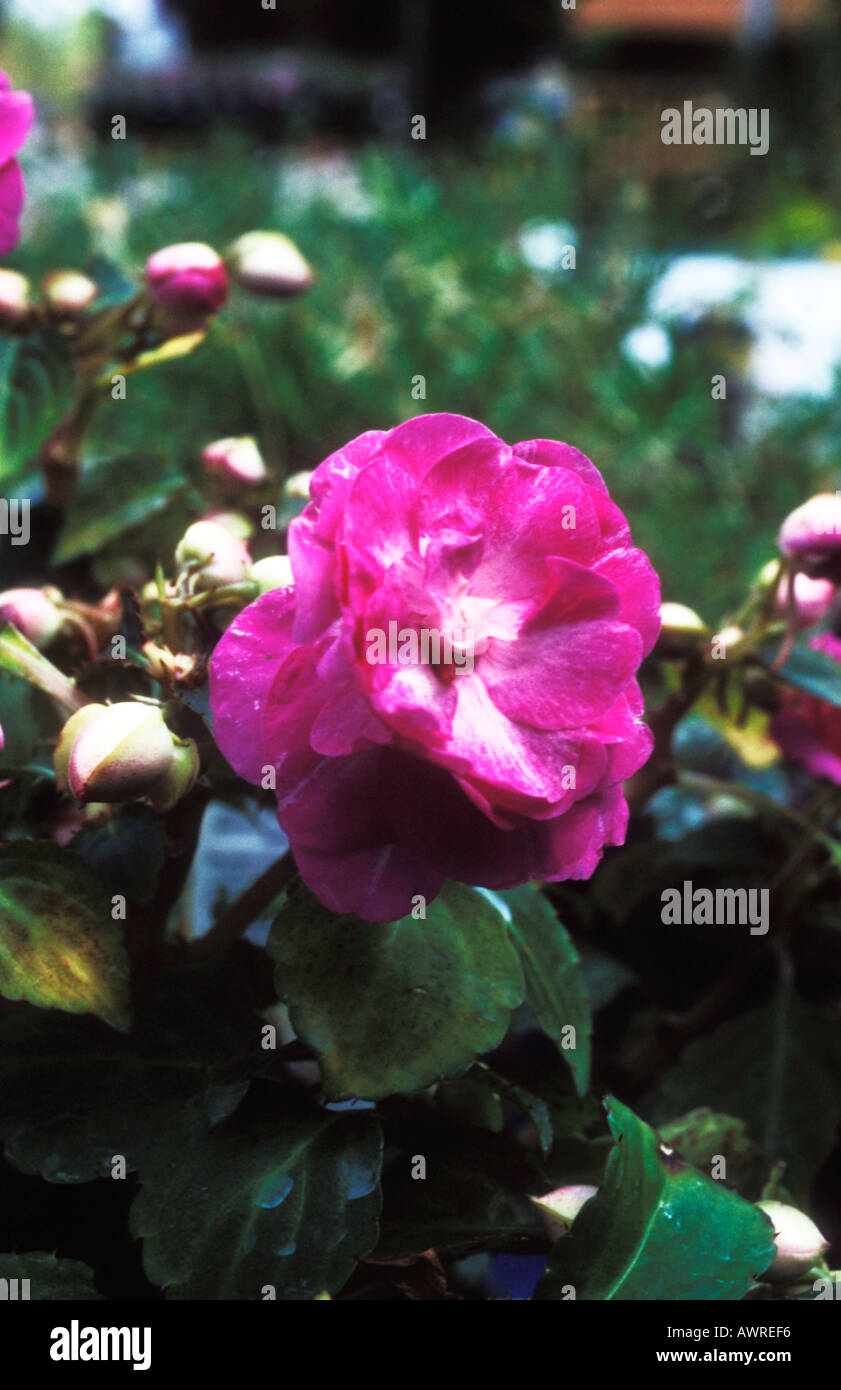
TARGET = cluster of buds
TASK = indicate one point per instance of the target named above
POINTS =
(123, 752)
(65, 296)
(189, 282)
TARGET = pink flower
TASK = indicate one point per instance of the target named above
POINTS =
(502, 761)
(808, 729)
(16, 115)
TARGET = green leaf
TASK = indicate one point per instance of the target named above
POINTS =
(59, 946)
(658, 1230)
(391, 1007)
(473, 1196)
(19, 659)
(73, 1094)
(779, 1069)
(36, 383)
(293, 1205)
(810, 670)
(115, 495)
(555, 990)
(50, 1278)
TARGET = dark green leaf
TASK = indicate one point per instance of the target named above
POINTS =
(73, 1095)
(50, 1278)
(555, 990)
(293, 1206)
(658, 1230)
(126, 853)
(779, 1069)
(115, 495)
(390, 1008)
(36, 383)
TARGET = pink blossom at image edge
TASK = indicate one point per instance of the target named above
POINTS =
(16, 116)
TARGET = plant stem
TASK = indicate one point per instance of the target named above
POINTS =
(245, 909)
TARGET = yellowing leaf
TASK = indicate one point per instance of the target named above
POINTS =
(59, 947)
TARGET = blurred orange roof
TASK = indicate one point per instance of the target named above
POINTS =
(691, 17)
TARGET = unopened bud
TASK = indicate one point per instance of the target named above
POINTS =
(68, 293)
(557, 1210)
(235, 463)
(799, 1242)
(727, 642)
(811, 536)
(273, 572)
(34, 612)
(214, 557)
(113, 752)
(298, 485)
(268, 265)
(179, 778)
(187, 283)
(813, 599)
(239, 525)
(681, 632)
(15, 306)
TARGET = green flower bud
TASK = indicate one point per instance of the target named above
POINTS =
(268, 265)
(68, 293)
(273, 572)
(798, 1240)
(179, 778)
(114, 753)
(215, 557)
(681, 632)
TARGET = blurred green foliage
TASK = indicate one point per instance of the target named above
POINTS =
(421, 274)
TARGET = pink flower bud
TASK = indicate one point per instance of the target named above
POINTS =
(273, 572)
(237, 523)
(187, 283)
(212, 555)
(236, 463)
(269, 266)
(15, 305)
(811, 535)
(799, 1242)
(813, 599)
(68, 292)
(34, 613)
(114, 752)
(557, 1210)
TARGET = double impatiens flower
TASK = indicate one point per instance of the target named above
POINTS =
(392, 775)
(16, 114)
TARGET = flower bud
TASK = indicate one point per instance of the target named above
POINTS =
(169, 666)
(186, 283)
(68, 293)
(237, 523)
(681, 631)
(114, 752)
(15, 306)
(798, 1240)
(34, 613)
(273, 572)
(214, 556)
(235, 463)
(179, 778)
(269, 265)
(813, 599)
(298, 485)
(811, 536)
(557, 1210)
